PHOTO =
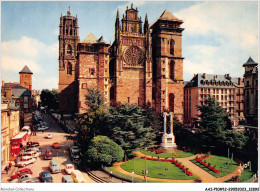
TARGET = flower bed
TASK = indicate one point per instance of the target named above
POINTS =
(178, 164)
(200, 160)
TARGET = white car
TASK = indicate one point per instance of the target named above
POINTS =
(74, 149)
(69, 168)
(26, 162)
(42, 128)
(33, 153)
(49, 136)
(26, 129)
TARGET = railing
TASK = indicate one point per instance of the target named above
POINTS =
(251, 180)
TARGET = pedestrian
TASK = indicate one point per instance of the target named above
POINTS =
(42, 131)
(110, 174)
(6, 169)
(15, 161)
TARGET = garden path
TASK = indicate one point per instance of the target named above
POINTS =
(204, 175)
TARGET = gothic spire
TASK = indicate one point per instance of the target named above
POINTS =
(146, 24)
(68, 13)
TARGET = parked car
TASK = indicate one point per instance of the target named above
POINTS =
(56, 145)
(26, 162)
(48, 154)
(76, 157)
(23, 178)
(28, 179)
(69, 168)
(54, 166)
(32, 153)
(44, 125)
(32, 149)
(46, 177)
(78, 177)
(33, 144)
(67, 179)
(27, 129)
(42, 128)
(21, 172)
(74, 149)
(49, 136)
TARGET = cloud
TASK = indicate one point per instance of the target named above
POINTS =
(45, 83)
(41, 58)
(230, 28)
(233, 20)
(16, 64)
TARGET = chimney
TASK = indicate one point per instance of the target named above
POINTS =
(3, 82)
(8, 94)
(239, 81)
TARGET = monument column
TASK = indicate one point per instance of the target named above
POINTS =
(171, 121)
(164, 122)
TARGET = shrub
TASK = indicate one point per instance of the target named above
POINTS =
(102, 150)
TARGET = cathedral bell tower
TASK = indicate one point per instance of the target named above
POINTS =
(68, 41)
(131, 63)
(168, 64)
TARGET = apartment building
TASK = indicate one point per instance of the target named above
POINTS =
(227, 91)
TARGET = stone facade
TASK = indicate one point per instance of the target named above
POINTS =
(143, 65)
(9, 128)
(227, 91)
(68, 41)
(251, 92)
(26, 78)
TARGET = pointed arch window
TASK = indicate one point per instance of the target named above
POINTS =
(172, 69)
(69, 69)
(171, 102)
(69, 50)
(172, 43)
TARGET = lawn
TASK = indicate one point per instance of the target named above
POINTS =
(180, 154)
(219, 161)
(246, 175)
(129, 177)
(156, 169)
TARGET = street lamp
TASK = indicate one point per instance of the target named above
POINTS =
(145, 163)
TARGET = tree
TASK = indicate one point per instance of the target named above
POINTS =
(49, 98)
(93, 122)
(234, 140)
(129, 127)
(103, 151)
(216, 130)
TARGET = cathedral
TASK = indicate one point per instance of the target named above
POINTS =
(143, 65)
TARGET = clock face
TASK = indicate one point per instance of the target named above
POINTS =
(134, 56)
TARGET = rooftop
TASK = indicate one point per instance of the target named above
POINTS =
(26, 70)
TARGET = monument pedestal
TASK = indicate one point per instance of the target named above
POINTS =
(168, 140)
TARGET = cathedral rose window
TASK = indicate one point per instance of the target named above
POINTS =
(134, 56)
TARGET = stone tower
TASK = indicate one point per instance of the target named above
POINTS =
(68, 41)
(131, 64)
(93, 59)
(26, 78)
(168, 64)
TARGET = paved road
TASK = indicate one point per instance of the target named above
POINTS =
(62, 155)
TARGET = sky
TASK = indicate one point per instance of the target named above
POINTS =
(219, 36)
